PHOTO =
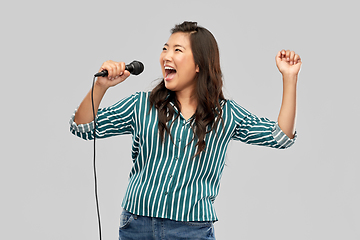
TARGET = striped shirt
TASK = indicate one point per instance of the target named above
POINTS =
(165, 181)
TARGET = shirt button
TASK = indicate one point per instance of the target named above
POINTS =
(166, 193)
(171, 176)
(176, 158)
(179, 139)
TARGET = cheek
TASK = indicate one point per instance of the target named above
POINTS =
(189, 64)
(161, 59)
(161, 63)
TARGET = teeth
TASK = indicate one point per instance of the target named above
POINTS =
(169, 68)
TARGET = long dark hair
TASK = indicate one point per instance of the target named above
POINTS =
(208, 89)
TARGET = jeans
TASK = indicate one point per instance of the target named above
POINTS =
(149, 228)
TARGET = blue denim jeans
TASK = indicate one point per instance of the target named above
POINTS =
(149, 228)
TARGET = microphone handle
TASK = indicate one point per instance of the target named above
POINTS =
(104, 73)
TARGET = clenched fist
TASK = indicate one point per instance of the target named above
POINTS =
(288, 62)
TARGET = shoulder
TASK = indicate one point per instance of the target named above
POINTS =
(235, 109)
(142, 100)
(129, 101)
(143, 97)
(140, 96)
(229, 104)
(233, 104)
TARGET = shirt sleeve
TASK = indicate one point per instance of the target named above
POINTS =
(258, 131)
(117, 119)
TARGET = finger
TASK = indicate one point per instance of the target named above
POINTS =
(125, 75)
(283, 54)
(118, 79)
(121, 68)
(110, 69)
(292, 55)
(296, 59)
(287, 54)
(105, 66)
(116, 70)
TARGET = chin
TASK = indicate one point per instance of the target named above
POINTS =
(170, 86)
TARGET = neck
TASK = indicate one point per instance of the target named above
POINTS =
(187, 98)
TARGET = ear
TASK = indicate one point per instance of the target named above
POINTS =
(197, 68)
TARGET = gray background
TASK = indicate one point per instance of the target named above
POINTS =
(51, 49)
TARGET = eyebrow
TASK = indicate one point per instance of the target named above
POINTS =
(177, 45)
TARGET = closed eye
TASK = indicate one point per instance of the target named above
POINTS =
(178, 50)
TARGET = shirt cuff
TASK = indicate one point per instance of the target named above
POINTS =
(283, 140)
(81, 128)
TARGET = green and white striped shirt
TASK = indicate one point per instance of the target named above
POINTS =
(165, 181)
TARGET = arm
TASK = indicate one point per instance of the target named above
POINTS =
(289, 65)
(254, 130)
(116, 75)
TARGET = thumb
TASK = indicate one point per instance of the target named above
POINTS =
(278, 57)
(119, 79)
(125, 75)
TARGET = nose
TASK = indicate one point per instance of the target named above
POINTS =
(167, 56)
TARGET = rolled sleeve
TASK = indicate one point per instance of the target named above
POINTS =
(283, 141)
(84, 131)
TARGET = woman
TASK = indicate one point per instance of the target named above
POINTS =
(181, 130)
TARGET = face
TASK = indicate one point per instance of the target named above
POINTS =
(177, 64)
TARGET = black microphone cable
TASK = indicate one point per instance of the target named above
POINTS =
(135, 68)
(94, 162)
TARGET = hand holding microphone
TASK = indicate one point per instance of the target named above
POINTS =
(112, 73)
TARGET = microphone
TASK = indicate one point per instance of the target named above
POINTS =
(135, 68)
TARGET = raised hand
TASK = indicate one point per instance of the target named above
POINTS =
(288, 62)
(116, 74)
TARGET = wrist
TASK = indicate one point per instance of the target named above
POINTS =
(100, 87)
(293, 76)
(290, 78)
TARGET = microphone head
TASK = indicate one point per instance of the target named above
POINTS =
(136, 67)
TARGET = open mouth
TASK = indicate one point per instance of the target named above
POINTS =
(169, 73)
